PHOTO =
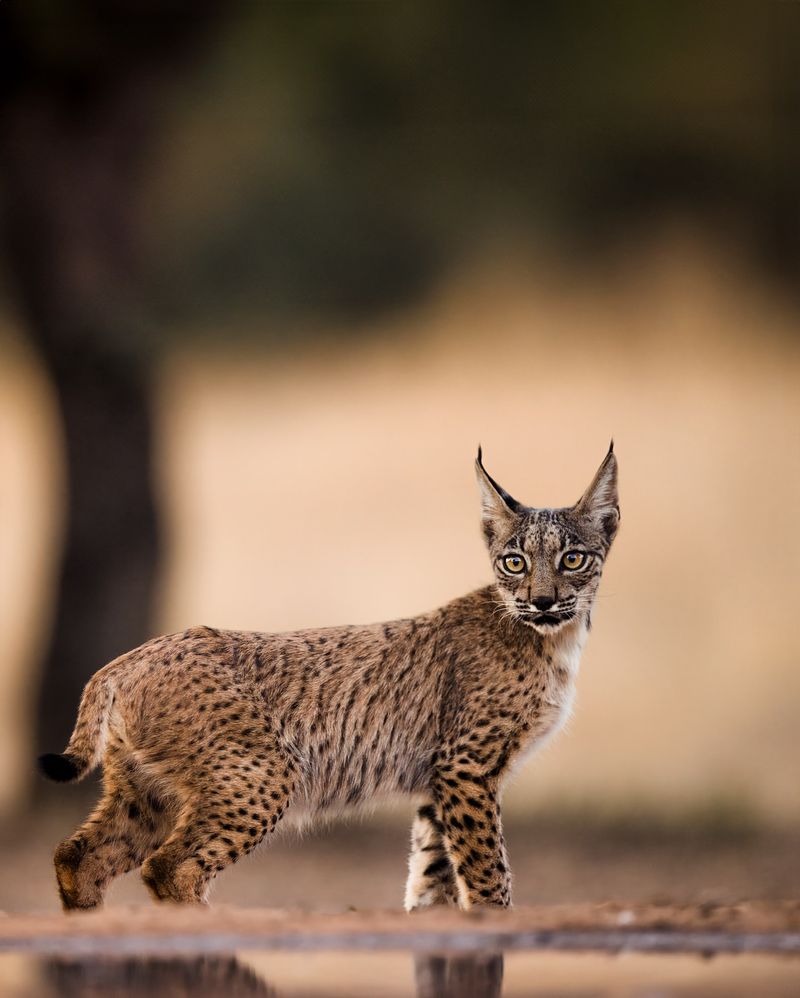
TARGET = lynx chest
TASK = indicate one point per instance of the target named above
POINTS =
(554, 693)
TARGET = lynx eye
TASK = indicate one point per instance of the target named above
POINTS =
(514, 563)
(573, 560)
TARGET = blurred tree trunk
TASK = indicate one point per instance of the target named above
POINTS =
(82, 85)
(71, 196)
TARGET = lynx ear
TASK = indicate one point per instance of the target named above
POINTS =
(499, 509)
(600, 502)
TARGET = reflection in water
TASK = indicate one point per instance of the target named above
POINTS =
(381, 974)
(460, 976)
(466, 975)
(168, 977)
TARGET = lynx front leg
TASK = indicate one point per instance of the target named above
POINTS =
(430, 873)
(473, 837)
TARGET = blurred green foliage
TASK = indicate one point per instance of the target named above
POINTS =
(332, 158)
(719, 818)
(338, 158)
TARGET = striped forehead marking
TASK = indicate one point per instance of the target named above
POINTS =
(542, 526)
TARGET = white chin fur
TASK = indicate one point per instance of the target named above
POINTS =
(544, 628)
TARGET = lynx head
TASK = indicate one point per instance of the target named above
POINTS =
(548, 562)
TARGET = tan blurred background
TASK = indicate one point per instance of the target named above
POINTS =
(375, 261)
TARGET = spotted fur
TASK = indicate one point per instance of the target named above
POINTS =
(208, 738)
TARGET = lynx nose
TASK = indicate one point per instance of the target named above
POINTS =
(543, 602)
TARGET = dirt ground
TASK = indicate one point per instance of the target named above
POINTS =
(318, 917)
(534, 951)
(362, 865)
(770, 925)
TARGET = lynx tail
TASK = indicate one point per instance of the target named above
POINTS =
(85, 748)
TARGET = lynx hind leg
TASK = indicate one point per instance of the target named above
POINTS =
(227, 814)
(126, 825)
(431, 879)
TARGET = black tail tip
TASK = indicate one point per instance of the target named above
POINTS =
(61, 768)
